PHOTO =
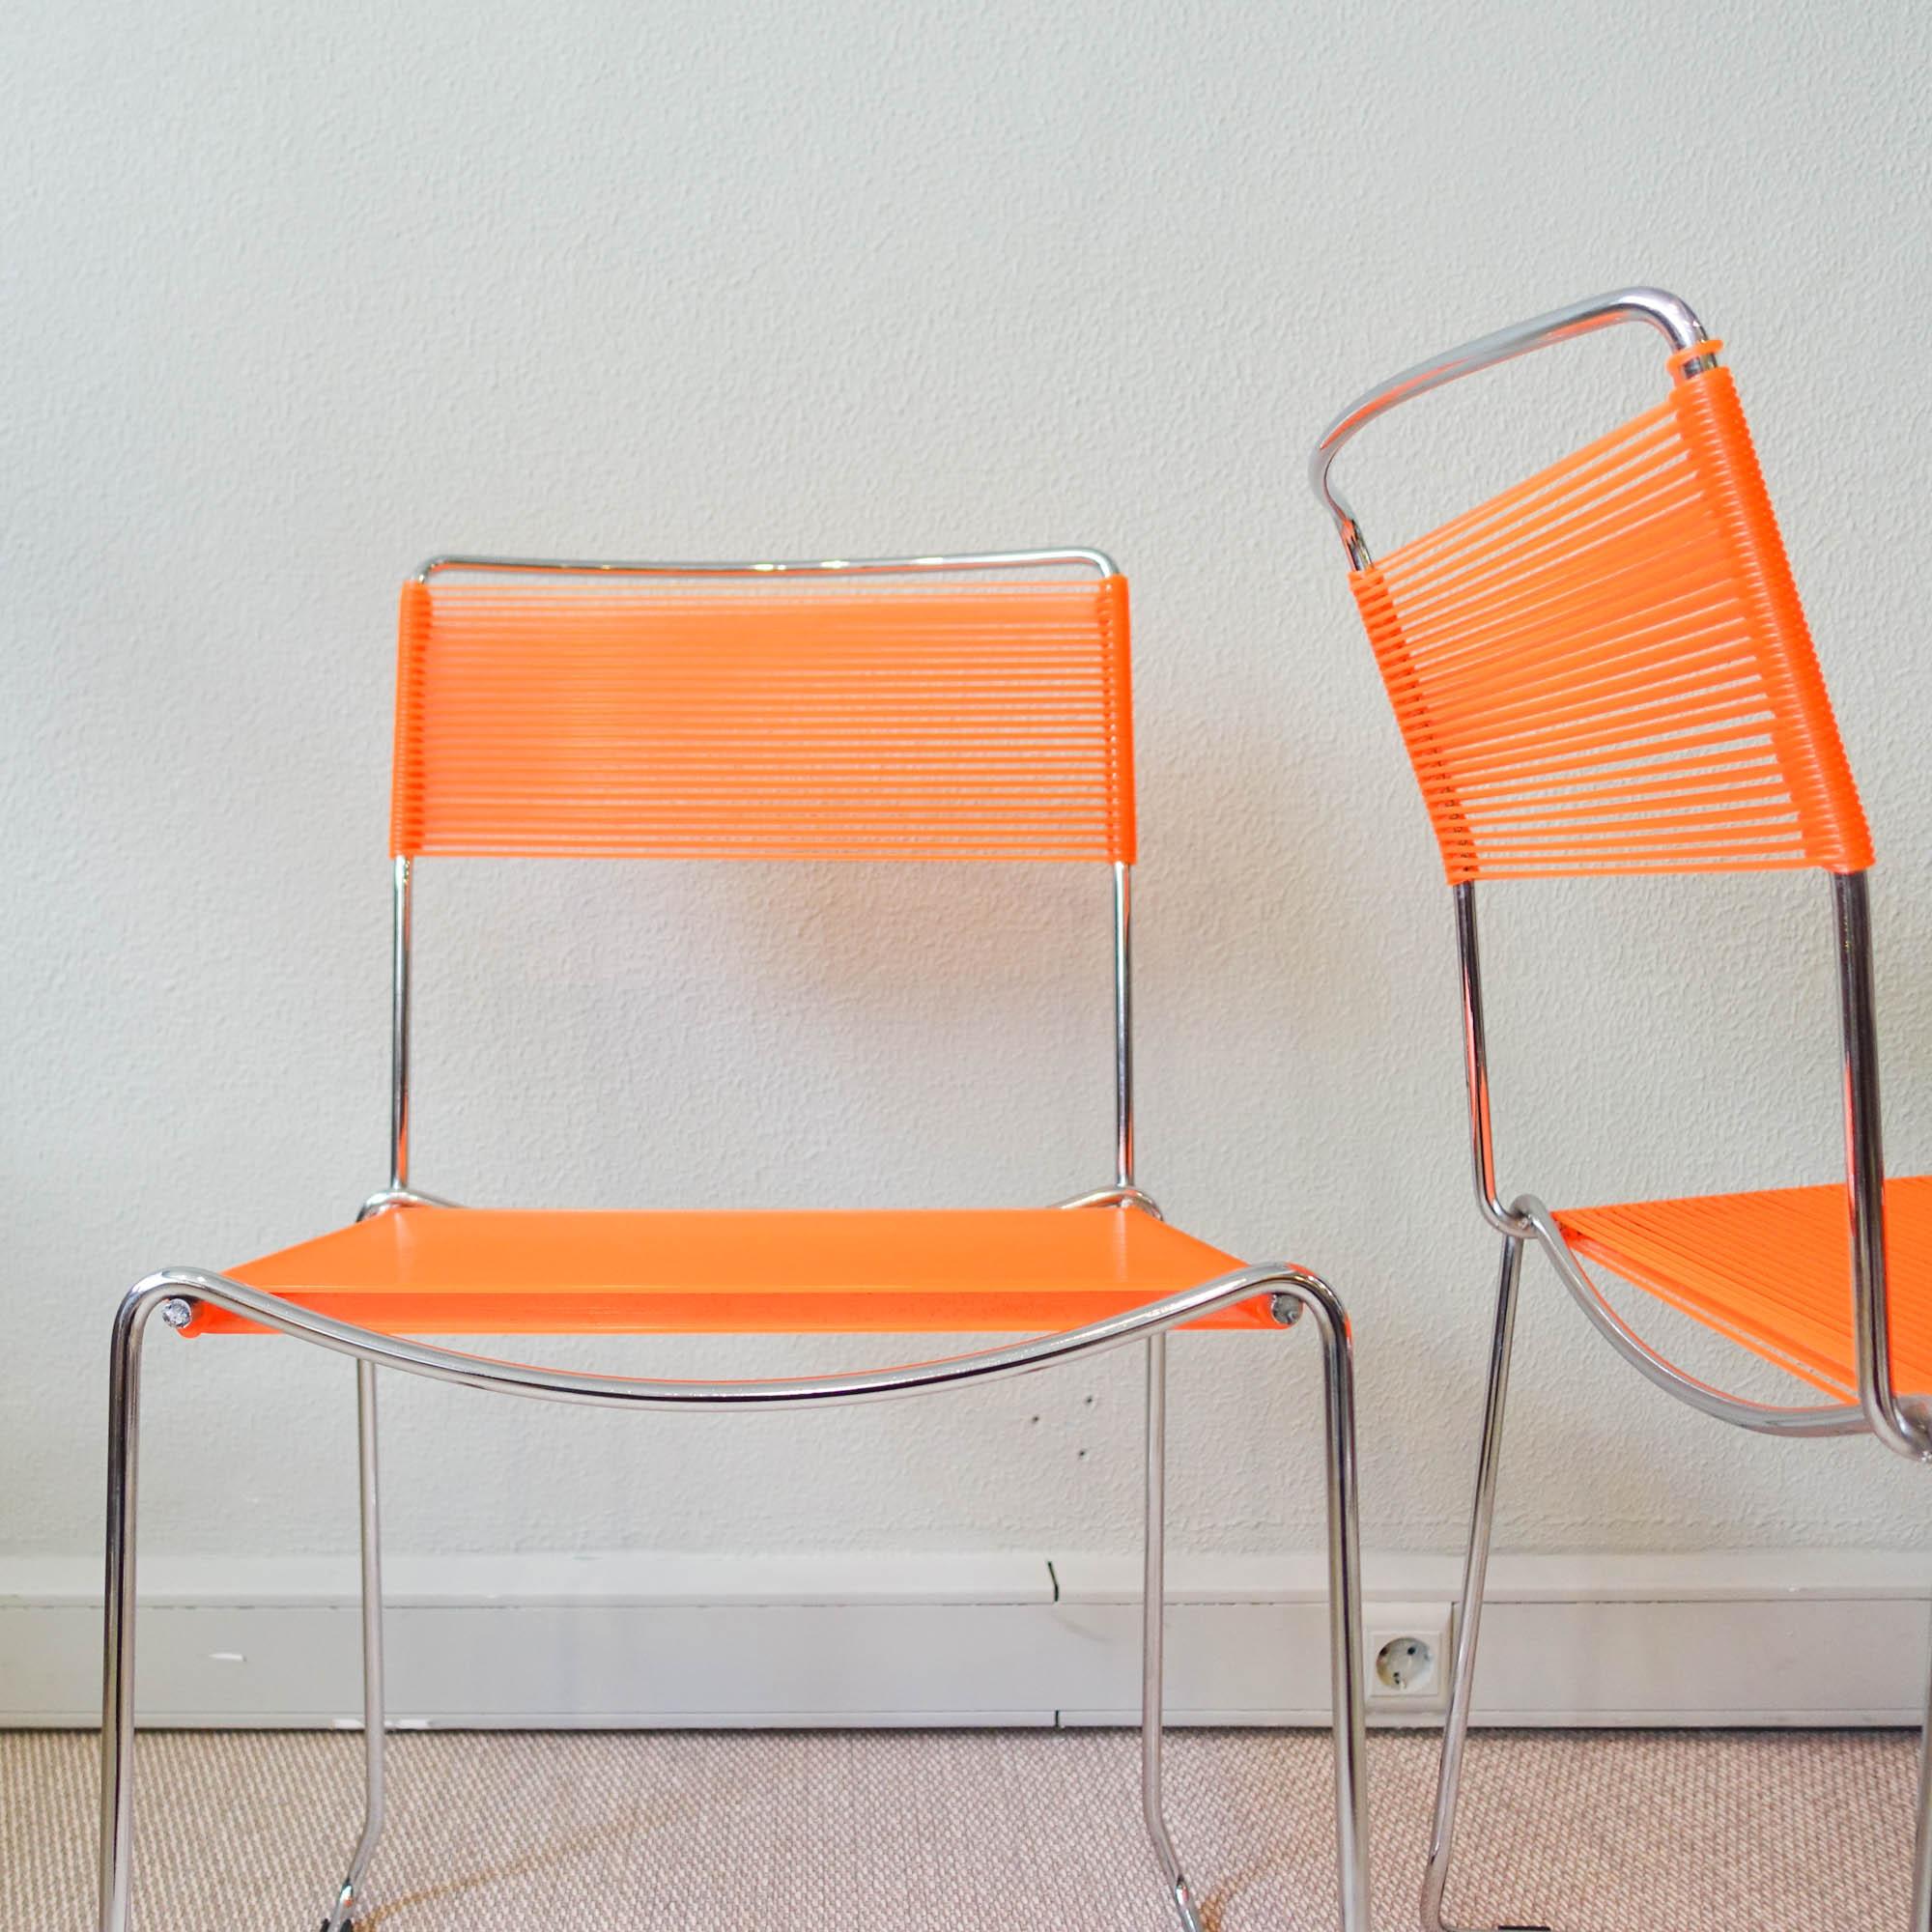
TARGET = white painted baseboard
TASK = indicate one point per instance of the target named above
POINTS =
(642, 1640)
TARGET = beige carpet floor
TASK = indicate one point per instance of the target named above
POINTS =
(911, 1831)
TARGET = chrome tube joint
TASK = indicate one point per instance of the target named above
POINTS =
(1116, 1197)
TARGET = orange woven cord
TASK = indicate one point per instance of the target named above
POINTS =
(495, 1271)
(985, 722)
(1773, 1271)
(1607, 668)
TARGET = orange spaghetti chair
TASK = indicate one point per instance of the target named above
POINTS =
(1606, 669)
(959, 708)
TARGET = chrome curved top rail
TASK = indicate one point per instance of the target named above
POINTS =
(1669, 315)
(1292, 1285)
(832, 566)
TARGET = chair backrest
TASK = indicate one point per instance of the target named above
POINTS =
(933, 707)
(649, 716)
(1607, 668)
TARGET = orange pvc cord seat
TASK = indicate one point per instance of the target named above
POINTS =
(1771, 1270)
(492, 1271)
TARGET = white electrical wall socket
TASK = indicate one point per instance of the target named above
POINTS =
(1406, 1657)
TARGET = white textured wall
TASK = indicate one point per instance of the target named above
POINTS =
(295, 294)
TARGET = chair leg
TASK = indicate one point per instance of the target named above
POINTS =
(1921, 1850)
(118, 1598)
(340, 1917)
(1475, 1567)
(1153, 1606)
(1344, 1598)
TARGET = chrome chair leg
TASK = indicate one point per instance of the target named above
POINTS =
(1456, 1722)
(1921, 1849)
(1154, 1607)
(118, 1597)
(1345, 1589)
(1475, 1568)
(119, 1600)
(341, 1916)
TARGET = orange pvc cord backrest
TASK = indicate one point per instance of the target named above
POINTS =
(1607, 668)
(992, 721)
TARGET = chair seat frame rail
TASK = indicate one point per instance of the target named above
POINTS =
(174, 1293)
(1901, 1421)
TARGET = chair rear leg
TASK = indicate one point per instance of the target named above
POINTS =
(1475, 1568)
(1154, 1607)
(341, 1915)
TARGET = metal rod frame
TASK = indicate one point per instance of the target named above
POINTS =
(833, 566)
(1902, 1422)
(176, 1291)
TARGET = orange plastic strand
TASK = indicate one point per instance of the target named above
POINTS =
(1607, 668)
(494, 1271)
(986, 723)
(1773, 1272)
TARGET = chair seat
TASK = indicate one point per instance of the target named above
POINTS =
(492, 1271)
(1773, 1271)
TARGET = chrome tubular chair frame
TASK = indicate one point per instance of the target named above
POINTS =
(175, 1292)
(1902, 1422)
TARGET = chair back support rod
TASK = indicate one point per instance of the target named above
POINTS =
(1864, 1174)
(399, 1033)
(1476, 1066)
(1124, 1027)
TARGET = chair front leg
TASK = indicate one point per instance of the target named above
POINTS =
(1475, 1569)
(120, 1596)
(1154, 1611)
(117, 1673)
(1345, 1586)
